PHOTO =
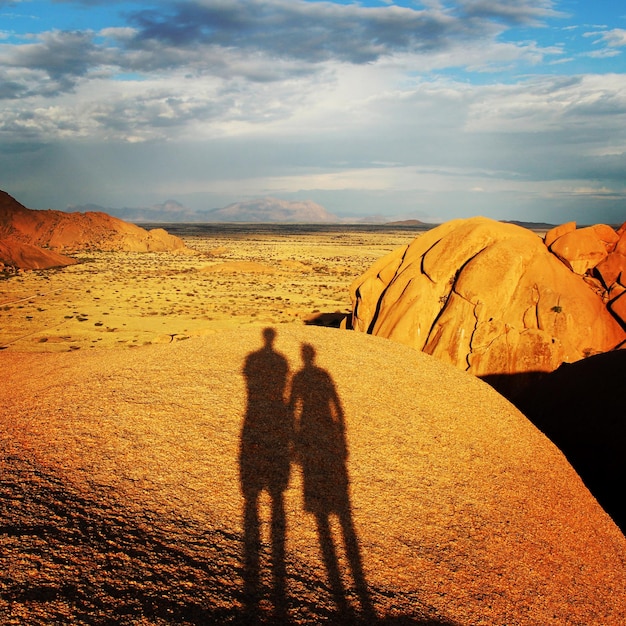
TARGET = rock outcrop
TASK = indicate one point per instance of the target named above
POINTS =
(495, 299)
(16, 254)
(127, 473)
(40, 239)
(579, 407)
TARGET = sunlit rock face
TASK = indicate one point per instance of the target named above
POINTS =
(460, 511)
(598, 253)
(494, 299)
(41, 239)
(15, 254)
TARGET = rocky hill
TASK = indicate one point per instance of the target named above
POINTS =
(122, 498)
(257, 211)
(498, 300)
(32, 239)
(273, 210)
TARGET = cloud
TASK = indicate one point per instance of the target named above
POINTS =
(57, 53)
(615, 38)
(532, 12)
(307, 31)
(260, 41)
(53, 64)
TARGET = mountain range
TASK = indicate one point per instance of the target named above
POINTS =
(259, 210)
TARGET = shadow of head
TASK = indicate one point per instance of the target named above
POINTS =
(308, 354)
(269, 335)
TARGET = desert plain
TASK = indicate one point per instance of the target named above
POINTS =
(233, 275)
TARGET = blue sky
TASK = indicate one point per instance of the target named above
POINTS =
(513, 109)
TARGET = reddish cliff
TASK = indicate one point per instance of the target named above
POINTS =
(42, 239)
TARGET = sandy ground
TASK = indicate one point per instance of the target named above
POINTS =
(239, 276)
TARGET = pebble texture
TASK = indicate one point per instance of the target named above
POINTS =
(121, 500)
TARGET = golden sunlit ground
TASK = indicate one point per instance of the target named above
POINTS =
(241, 275)
(122, 499)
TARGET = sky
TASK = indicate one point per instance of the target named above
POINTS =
(432, 109)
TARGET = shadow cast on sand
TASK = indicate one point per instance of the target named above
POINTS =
(78, 556)
(264, 462)
(82, 553)
(580, 408)
(322, 450)
(302, 421)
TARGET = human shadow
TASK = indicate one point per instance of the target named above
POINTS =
(264, 462)
(321, 450)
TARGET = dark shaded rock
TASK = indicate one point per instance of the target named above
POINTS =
(581, 408)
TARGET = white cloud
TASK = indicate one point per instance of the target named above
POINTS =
(528, 12)
(615, 38)
(577, 104)
(285, 96)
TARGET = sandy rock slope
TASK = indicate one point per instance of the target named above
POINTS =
(122, 503)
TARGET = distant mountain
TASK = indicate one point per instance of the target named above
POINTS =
(530, 225)
(273, 210)
(407, 223)
(168, 212)
(260, 210)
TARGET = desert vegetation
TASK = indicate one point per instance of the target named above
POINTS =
(238, 276)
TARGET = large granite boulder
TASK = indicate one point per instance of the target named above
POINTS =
(598, 253)
(124, 499)
(581, 249)
(491, 298)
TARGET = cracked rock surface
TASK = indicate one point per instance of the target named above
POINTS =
(492, 299)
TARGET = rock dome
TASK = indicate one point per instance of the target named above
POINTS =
(126, 465)
(493, 299)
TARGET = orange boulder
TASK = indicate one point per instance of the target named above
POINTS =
(612, 269)
(582, 249)
(558, 231)
(487, 297)
(620, 246)
(607, 235)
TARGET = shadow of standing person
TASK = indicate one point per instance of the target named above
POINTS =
(264, 462)
(321, 449)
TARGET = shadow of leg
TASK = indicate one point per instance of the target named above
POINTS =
(356, 564)
(252, 547)
(332, 566)
(279, 573)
